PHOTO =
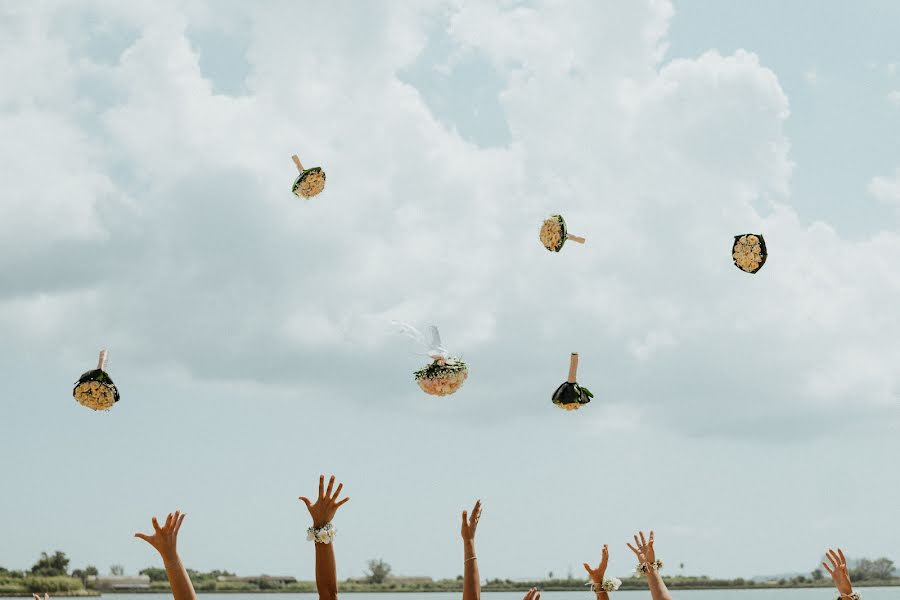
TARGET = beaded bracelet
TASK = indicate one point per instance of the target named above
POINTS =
(850, 596)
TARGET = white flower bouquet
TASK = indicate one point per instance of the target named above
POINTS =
(310, 182)
(95, 389)
(442, 377)
(445, 374)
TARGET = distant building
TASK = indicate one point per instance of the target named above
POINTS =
(276, 579)
(393, 579)
(119, 582)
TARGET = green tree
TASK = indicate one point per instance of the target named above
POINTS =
(51, 566)
(155, 573)
(116, 570)
(817, 575)
(378, 571)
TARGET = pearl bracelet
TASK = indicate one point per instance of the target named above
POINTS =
(322, 535)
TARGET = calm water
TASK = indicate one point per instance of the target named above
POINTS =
(799, 594)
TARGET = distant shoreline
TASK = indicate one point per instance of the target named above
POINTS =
(356, 588)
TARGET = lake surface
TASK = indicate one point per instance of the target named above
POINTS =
(787, 594)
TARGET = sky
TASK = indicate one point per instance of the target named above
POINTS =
(750, 420)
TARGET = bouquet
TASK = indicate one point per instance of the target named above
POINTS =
(749, 252)
(554, 234)
(570, 395)
(95, 389)
(310, 182)
(445, 374)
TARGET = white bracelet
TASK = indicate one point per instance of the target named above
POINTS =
(644, 568)
(609, 584)
(322, 535)
(850, 596)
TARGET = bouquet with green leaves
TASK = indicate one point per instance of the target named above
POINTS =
(95, 389)
(310, 182)
(554, 234)
(570, 395)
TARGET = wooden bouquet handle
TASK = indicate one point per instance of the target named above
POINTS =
(573, 367)
(104, 357)
(575, 238)
(297, 162)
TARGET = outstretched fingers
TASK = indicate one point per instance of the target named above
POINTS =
(179, 519)
(476, 514)
(330, 486)
(533, 594)
(321, 486)
(342, 502)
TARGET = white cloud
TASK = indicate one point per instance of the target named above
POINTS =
(177, 216)
(894, 97)
(886, 188)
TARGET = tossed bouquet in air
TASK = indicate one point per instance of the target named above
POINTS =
(445, 374)
(310, 182)
(95, 389)
(570, 395)
(554, 234)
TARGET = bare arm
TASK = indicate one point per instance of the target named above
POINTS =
(646, 556)
(165, 540)
(322, 512)
(471, 577)
(597, 575)
(839, 574)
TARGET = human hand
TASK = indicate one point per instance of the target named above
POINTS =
(644, 550)
(598, 573)
(164, 538)
(323, 511)
(838, 571)
(532, 594)
(470, 523)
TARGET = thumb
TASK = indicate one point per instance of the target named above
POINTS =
(144, 537)
(465, 518)
(306, 501)
(587, 568)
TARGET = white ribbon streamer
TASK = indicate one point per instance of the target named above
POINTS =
(432, 342)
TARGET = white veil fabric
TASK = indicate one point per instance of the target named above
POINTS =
(431, 342)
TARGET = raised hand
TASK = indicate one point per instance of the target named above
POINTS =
(598, 573)
(532, 594)
(643, 549)
(323, 511)
(164, 538)
(838, 571)
(470, 523)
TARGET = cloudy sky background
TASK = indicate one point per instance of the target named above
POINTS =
(750, 420)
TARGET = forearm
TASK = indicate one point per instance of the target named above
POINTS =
(658, 590)
(471, 578)
(179, 581)
(326, 572)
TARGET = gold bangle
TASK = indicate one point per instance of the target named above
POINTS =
(470, 558)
